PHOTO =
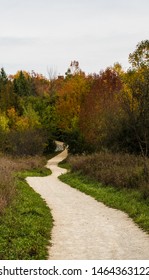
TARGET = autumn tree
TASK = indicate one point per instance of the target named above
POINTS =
(98, 116)
(73, 69)
(7, 95)
(69, 99)
(40, 86)
(136, 97)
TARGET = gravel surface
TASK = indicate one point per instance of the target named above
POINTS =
(85, 229)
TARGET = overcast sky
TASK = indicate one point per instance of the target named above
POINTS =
(48, 34)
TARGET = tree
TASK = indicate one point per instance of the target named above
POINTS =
(22, 84)
(136, 100)
(99, 110)
(40, 86)
(140, 57)
(69, 99)
(7, 95)
(4, 127)
(3, 76)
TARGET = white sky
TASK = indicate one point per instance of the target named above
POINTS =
(48, 34)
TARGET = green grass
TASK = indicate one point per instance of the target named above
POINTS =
(25, 226)
(64, 164)
(33, 173)
(128, 200)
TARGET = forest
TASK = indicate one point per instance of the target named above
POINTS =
(90, 113)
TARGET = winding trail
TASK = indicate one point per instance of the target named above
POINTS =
(85, 229)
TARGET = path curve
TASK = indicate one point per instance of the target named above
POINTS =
(85, 229)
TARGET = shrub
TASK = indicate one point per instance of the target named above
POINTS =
(50, 146)
(28, 142)
(76, 143)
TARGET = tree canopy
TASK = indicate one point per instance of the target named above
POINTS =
(105, 110)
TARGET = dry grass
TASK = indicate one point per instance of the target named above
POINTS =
(8, 166)
(120, 170)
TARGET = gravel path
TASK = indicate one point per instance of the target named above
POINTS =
(84, 228)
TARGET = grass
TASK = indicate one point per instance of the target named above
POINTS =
(119, 170)
(130, 201)
(9, 167)
(26, 220)
(38, 172)
(64, 164)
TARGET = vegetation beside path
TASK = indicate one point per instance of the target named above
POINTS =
(25, 220)
(129, 201)
(134, 200)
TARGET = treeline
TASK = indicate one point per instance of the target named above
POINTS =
(105, 111)
(27, 114)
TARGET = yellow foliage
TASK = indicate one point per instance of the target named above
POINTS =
(22, 123)
(4, 123)
(13, 117)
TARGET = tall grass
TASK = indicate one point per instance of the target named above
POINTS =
(8, 167)
(119, 170)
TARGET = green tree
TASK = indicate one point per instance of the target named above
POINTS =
(4, 121)
(136, 106)
(140, 57)
(3, 76)
(136, 101)
(136, 95)
(7, 96)
(22, 84)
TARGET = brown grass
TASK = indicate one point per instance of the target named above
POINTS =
(8, 166)
(120, 170)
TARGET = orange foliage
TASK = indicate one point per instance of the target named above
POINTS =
(98, 105)
(70, 97)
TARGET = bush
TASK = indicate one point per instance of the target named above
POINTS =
(28, 142)
(50, 146)
(76, 143)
